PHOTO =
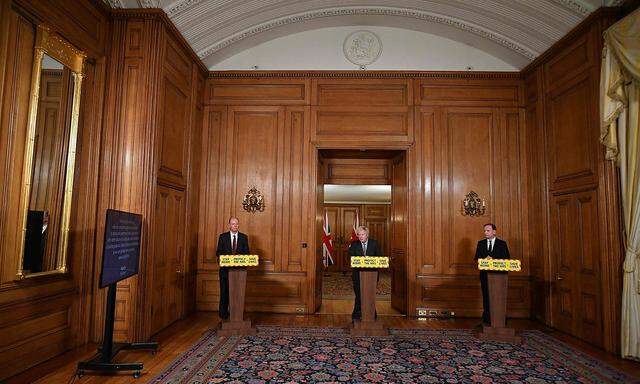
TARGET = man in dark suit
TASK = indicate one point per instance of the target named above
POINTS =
(493, 248)
(363, 247)
(229, 243)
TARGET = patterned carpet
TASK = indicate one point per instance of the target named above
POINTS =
(338, 285)
(330, 355)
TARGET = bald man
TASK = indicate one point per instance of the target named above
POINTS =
(229, 243)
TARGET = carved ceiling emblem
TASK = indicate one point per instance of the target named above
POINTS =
(362, 48)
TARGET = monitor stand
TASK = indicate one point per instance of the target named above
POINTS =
(103, 360)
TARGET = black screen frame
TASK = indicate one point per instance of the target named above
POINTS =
(109, 219)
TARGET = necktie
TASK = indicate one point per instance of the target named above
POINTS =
(490, 245)
(234, 244)
(364, 249)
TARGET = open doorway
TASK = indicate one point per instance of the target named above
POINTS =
(368, 187)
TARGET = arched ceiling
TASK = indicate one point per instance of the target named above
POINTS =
(515, 31)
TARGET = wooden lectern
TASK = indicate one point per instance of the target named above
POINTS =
(237, 264)
(368, 268)
(498, 278)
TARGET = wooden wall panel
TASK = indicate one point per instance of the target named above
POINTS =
(572, 150)
(84, 23)
(269, 148)
(459, 149)
(255, 140)
(347, 125)
(468, 145)
(175, 113)
(357, 171)
(437, 293)
(573, 60)
(258, 92)
(169, 259)
(45, 316)
(362, 92)
(575, 244)
(470, 136)
(570, 179)
(475, 92)
(214, 166)
(154, 109)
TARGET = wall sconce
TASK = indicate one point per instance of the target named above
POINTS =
(253, 201)
(473, 205)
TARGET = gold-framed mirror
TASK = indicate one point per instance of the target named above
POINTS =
(49, 155)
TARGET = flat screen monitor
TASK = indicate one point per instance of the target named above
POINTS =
(121, 250)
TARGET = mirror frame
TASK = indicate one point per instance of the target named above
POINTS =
(48, 42)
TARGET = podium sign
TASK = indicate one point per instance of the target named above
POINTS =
(238, 260)
(369, 262)
(367, 267)
(505, 265)
(237, 264)
(497, 279)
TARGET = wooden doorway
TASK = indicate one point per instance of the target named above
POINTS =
(386, 220)
(169, 261)
(576, 305)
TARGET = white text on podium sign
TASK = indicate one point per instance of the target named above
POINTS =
(369, 262)
(506, 265)
(238, 260)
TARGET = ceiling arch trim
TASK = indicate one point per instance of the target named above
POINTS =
(520, 49)
(576, 6)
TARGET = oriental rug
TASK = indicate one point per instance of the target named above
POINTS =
(331, 355)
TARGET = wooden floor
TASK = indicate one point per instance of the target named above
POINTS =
(181, 335)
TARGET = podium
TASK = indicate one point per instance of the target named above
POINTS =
(368, 268)
(498, 278)
(237, 264)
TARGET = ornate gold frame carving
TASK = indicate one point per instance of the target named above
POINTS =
(59, 49)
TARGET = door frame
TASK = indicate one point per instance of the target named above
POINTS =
(315, 270)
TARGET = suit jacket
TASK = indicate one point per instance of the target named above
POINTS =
(499, 251)
(372, 249)
(224, 244)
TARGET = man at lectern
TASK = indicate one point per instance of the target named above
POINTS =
(364, 247)
(229, 243)
(494, 248)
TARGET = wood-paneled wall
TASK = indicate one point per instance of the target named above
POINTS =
(461, 132)
(141, 154)
(573, 199)
(154, 104)
(42, 317)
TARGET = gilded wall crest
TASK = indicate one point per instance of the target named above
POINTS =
(253, 201)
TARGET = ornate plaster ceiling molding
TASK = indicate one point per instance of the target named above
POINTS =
(115, 3)
(376, 11)
(147, 4)
(180, 6)
(362, 75)
(576, 6)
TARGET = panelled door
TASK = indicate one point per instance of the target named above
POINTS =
(576, 305)
(169, 260)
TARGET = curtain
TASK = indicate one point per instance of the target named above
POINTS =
(620, 133)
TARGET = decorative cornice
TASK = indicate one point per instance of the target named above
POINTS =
(155, 13)
(375, 11)
(362, 74)
(602, 13)
(576, 6)
(180, 6)
(147, 4)
(115, 3)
